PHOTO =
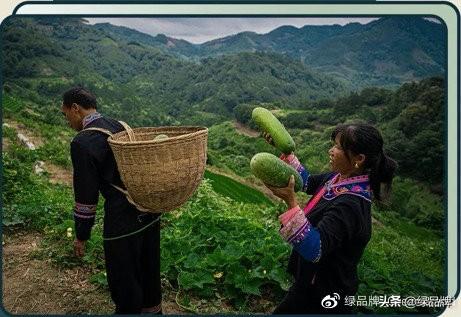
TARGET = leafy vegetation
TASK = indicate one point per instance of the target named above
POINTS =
(239, 192)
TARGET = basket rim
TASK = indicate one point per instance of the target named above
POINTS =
(200, 131)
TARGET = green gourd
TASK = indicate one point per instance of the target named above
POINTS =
(273, 171)
(161, 137)
(270, 124)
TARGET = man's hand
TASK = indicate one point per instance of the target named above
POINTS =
(286, 193)
(79, 248)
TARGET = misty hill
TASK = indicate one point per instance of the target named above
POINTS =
(388, 51)
(47, 55)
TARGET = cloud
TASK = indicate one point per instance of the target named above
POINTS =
(199, 30)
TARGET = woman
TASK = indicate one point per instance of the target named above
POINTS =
(330, 234)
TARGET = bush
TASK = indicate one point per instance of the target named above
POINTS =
(415, 202)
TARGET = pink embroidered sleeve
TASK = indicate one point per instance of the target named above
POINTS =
(295, 221)
(287, 215)
(291, 160)
(299, 232)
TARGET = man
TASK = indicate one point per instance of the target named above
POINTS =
(131, 237)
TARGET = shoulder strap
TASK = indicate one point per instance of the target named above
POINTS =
(128, 130)
(105, 131)
(130, 200)
(317, 196)
(314, 200)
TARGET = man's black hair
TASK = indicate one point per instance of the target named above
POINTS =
(80, 96)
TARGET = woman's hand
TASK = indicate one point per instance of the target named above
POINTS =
(268, 138)
(286, 193)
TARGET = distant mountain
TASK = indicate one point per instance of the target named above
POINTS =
(384, 52)
(388, 51)
(172, 45)
(285, 39)
(130, 70)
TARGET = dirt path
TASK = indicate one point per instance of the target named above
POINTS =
(58, 174)
(5, 143)
(242, 129)
(36, 286)
(21, 129)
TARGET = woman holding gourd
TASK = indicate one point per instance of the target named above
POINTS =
(330, 233)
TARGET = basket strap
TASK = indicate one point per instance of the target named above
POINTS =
(98, 129)
(129, 131)
(128, 197)
(135, 232)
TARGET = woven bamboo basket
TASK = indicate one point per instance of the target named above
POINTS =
(160, 175)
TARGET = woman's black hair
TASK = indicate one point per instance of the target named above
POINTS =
(362, 138)
(80, 96)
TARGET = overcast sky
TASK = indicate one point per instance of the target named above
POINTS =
(199, 30)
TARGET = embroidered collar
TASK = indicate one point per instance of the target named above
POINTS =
(358, 186)
(90, 118)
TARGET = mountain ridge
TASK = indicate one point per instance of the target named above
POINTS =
(382, 52)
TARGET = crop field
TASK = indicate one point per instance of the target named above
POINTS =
(221, 251)
(239, 192)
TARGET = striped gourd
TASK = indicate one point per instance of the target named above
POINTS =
(273, 171)
(270, 124)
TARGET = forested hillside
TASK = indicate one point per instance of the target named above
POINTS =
(411, 119)
(44, 57)
(388, 51)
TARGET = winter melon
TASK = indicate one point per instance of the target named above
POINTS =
(273, 171)
(161, 137)
(270, 124)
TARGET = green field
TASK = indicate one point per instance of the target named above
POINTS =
(222, 247)
(237, 191)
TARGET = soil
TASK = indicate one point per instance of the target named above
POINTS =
(58, 175)
(36, 286)
(5, 144)
(242, 129)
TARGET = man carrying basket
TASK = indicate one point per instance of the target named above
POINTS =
(131, 237)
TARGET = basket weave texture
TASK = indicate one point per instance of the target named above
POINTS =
(160, 175)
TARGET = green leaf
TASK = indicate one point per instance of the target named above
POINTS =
(189, 280)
